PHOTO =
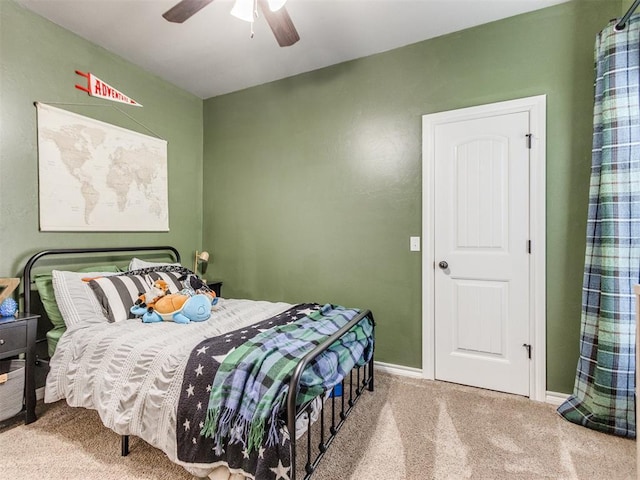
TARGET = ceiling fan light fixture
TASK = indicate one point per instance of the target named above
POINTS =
(275, 5)
(243, 9)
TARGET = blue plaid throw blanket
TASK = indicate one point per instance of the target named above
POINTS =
(251, 385)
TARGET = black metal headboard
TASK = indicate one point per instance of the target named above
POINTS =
(26, 275)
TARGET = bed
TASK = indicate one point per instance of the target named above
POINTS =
(154, 381)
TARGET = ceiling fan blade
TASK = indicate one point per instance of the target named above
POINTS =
(181, 11)
(281, 24)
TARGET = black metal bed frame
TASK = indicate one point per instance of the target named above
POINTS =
(326, 431)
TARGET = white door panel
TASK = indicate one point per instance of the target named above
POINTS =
(480, 190)
(481, 229)
(479, 317)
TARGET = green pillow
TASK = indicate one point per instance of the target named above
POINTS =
(44, 284)
(52, 339)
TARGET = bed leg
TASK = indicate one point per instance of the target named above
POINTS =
(124, 445)
(371, 375)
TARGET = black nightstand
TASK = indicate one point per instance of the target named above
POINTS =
(216, 286)
(18, 335)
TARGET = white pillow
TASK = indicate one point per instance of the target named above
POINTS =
(75, 299)
(136, 264)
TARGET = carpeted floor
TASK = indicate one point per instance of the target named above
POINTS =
(407, 429)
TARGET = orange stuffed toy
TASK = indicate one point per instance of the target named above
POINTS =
(157, 291)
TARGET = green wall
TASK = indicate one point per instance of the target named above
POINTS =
(313, 183)
(38, 63)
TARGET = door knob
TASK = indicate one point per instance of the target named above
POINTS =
(443, 265)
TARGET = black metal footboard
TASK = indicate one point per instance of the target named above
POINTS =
(338, 414)
(339, 405)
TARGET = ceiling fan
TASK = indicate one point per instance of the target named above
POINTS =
(273, 10)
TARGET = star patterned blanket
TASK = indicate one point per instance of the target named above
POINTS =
(251, 369)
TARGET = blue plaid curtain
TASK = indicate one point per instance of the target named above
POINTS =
(603, 394)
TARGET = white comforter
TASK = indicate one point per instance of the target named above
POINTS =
(131, 372)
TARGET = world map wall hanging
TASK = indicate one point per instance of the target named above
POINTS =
(94, 176)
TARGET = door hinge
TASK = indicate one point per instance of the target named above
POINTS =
(529, 136)
(529, 348)
(528, 246)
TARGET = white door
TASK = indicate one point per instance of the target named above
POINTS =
(481, 234)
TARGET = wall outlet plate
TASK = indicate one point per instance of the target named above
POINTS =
(414, 244)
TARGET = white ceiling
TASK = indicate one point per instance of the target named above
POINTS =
(211, 53)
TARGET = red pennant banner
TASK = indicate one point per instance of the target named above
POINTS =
(97, 88)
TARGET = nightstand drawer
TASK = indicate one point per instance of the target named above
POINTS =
(13, 337)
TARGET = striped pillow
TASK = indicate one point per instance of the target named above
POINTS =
(117, 294)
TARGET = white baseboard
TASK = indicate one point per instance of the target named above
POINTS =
(39, 393)
(555, 398)
(398, 370)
